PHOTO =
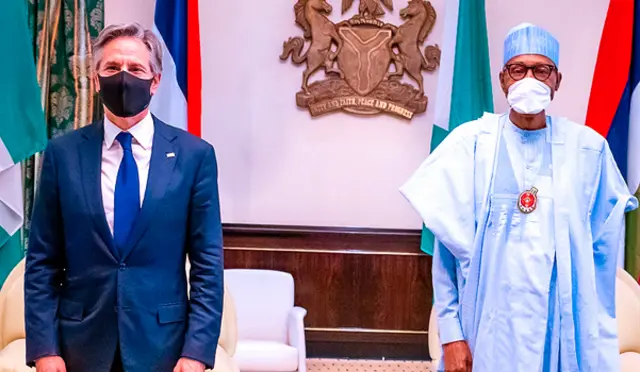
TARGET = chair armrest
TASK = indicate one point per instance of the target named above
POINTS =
(296, 335)
(224, 362)
(12, 357)
(2, 296)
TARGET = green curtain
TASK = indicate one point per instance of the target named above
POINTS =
(62, 31)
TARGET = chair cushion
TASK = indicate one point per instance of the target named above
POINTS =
(224, 363)
(266, 356)
(263, 299)
(628, 315)
(630, 362)
(12, 293)
(435, 350)
(12, 320)
(229, 329)
(12, 357)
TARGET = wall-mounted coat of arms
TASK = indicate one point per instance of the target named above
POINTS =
(357, 55)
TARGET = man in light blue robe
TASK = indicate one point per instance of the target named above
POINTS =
(528, 211)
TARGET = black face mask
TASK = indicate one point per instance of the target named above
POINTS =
(124, 94)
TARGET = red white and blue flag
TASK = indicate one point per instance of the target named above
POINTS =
(178, 100)
(614, 105)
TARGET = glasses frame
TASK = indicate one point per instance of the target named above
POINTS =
(552, 68)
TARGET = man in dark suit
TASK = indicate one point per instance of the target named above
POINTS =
(121, 203)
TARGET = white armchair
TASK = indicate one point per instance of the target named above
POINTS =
(270, 329)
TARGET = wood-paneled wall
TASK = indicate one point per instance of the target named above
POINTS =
(368, 292)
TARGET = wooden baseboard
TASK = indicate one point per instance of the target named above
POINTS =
(367, 291)
(367, 344)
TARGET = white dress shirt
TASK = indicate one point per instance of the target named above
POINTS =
(112, 154)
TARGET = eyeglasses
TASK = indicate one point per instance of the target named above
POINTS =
(519, 71)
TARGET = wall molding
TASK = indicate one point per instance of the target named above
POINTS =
(336, 239)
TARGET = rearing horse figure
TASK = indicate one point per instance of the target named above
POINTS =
(310, 15)
(420, 18)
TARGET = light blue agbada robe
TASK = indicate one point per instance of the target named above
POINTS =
(530, 292)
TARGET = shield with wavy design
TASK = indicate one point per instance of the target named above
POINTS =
(365, 56)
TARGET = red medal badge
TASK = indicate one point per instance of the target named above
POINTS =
(528, 201)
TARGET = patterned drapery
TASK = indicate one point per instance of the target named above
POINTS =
(62, 34)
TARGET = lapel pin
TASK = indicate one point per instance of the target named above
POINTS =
(171, 155)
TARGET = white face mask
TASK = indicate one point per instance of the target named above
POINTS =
(529, 96)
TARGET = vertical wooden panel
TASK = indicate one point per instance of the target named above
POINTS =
(365, 290)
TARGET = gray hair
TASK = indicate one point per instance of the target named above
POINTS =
(134, 30)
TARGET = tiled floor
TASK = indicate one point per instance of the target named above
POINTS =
(346, 365)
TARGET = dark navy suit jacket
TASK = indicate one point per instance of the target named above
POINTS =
(83, 297)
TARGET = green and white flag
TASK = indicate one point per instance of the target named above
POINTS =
(464, 81)
(22, 125)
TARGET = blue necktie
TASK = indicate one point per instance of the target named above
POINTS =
(127, 194)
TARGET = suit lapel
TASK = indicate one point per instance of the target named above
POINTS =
(90, 165)
(160, 172)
